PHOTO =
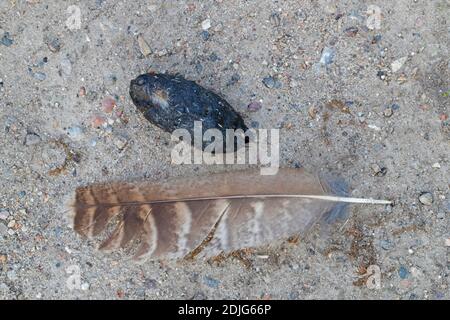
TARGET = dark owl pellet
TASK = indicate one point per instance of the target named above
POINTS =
(171, 102)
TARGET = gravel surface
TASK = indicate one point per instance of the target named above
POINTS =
(363, 95)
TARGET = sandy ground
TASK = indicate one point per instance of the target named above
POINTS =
(386, 131)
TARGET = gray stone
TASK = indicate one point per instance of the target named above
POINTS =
(272, 83)
(6, 39)
(66, 66)
(426, 199)
(120, 142)
(40, 76)
(328, 56)
(75, 133)
(32, 139)
(3, 230)
(4, 214)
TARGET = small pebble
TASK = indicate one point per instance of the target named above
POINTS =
(254, 106)
(108, 104)
(213, 57)
(98, 122)
(381, 74)
(388, 112)
(376, 39)
(11, 275)
(82, 92)
(382, 172)
(375, 168)
(272, 83)
(199, 296)
(293, 84)
(395, 107)
(66, 66)
(436, 165)
(3, 230)
(40, 76)
(6, 39)
(120, 142)
(328, 56)
(143, 46)
(205, 35)
(54, 45)
(447, 242)
(294, 295)
(397, 64)
(312, 112)
(150, 284)
(206, 24)
(386, 244)
(75, 133)
(234, 79)
(440, 215)
(416, 272)
(254, 124)
(4, 214)
(447, 205)
(351, 31)
(388, 208)
(211, 282)
(403, 272)
(426, 198)
(198, 67)
(32, 139)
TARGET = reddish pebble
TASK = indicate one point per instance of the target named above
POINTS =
(443, 117)
(254, 106)
(82, 92)
(98, 121)
(108, 104)
(119, 113)
(191, 7)
(120, 294)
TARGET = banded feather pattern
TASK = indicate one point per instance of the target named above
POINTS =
(206, 215)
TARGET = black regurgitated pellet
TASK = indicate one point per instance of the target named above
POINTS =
(171, 102)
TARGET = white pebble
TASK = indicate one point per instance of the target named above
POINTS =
(398, 64)
(447, 242)
(206, 24)
(11, 224)
(4, 215)
(374, 127)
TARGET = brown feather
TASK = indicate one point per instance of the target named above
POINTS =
(211, 214)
